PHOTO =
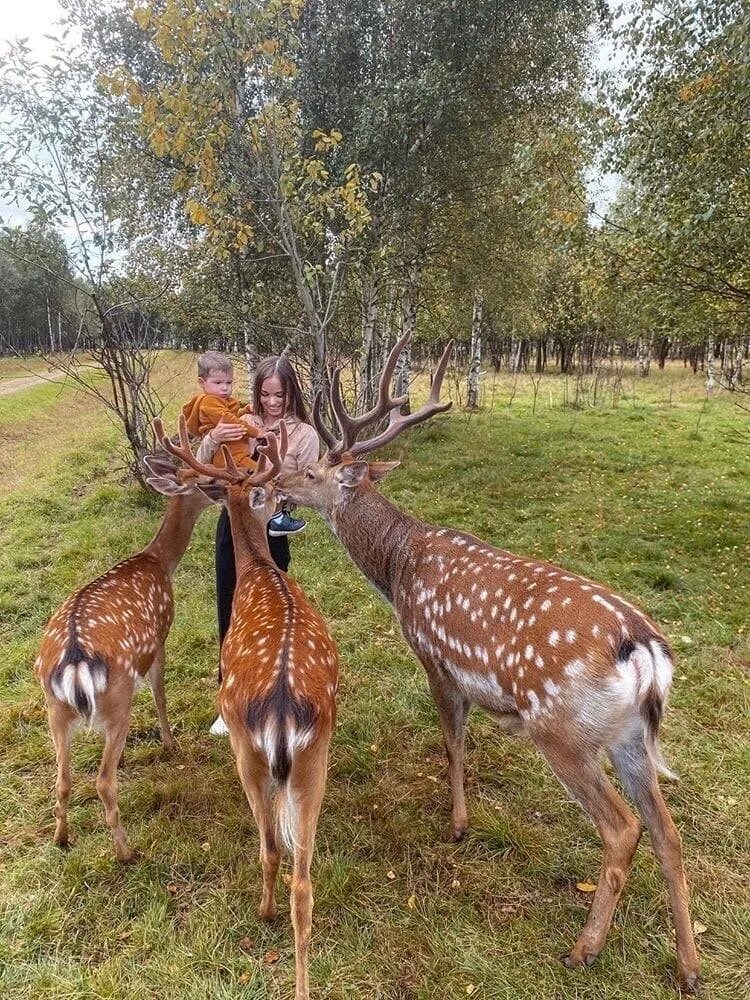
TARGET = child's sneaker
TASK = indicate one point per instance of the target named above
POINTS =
(284, 524)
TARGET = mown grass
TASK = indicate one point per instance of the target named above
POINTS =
(650, 497)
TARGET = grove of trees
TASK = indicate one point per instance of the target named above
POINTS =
(318, 176)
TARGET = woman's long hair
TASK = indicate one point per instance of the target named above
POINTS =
(294, 404)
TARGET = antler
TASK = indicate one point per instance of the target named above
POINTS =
(272, 454)
(385, 404)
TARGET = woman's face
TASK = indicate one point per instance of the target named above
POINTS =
(272, 398)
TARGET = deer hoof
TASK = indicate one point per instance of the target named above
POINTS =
(267, 913)
(127, 856)
(573, 962)
(691, 983)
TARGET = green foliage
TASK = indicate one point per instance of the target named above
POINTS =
(682, 147)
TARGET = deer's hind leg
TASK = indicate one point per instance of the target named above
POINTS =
(581, 773)
(61, 723)
(116, 727)
(637, 772)
(453, 709)
(254, 776)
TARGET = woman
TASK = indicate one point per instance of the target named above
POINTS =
(276, 394)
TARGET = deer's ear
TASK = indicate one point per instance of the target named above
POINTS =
(351, 474)
(216, 492)
(169, 487)
(257, 498)
(159, 465)
(379, 470)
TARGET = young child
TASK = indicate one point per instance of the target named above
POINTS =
(214, 405)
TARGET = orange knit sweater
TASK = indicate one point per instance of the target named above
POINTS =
(203, 412)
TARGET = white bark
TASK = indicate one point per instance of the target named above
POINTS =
(475, 359)
(710, 380)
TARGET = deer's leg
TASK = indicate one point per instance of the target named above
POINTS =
(618, 828)
(156, 679)
(61, 721)
(638, 774)
(453, 709)
(106, 781)
(301, 803)
(254, 777)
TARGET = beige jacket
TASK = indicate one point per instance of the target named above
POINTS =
(303, 449)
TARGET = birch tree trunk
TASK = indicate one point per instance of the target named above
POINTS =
(251, 352)
(367, 363)
(710, 380)
(409, 306)
(475, 357)
(643, 360)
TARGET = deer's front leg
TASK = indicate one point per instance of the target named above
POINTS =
(454, 709)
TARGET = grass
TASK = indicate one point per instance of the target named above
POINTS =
(634, 496)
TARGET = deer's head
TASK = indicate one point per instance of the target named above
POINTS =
(254, 488)
(336, 477)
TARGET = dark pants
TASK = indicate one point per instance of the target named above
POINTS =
(226, 575)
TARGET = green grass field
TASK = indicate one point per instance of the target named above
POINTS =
(649, 497)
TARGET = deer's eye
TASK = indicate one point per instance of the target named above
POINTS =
(309, 474)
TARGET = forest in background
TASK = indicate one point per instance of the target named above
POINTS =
(320, 177)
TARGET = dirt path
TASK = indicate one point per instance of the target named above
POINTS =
(12, 385)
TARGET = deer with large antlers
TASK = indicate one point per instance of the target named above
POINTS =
(578, 668)
(107, 639)
(279, 670)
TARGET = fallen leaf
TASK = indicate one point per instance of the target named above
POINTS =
(244, 977)
(391, 875)
(172, 889)
(374, 748)
(686, 639)
(411, 902)
(455, 884)
(124, 935)
(471, 988)
(699, 928)
(206, 846)
(586, 886)
(247, 944)
(271, 957)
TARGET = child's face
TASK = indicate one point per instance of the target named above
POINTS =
(218, 383)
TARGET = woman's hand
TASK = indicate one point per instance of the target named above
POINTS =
(222, 433)
(252, 421)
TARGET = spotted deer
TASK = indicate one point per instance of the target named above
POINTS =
(576, 667)
(279, 669)
(106, 640)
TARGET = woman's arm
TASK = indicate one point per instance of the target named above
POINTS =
(215, 438)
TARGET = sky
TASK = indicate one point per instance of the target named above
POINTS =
(31, 19)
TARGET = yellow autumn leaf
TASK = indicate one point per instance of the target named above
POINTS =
(411, 902)
(699, 928)
(586, 886)
(142, 17)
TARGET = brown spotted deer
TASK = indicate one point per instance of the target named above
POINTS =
(578, 668)
(279, 669)
(108, 638)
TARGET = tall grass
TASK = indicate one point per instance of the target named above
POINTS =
(633, 496)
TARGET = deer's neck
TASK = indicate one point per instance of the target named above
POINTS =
(249, 538)
(173, 537)
(378, 537)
